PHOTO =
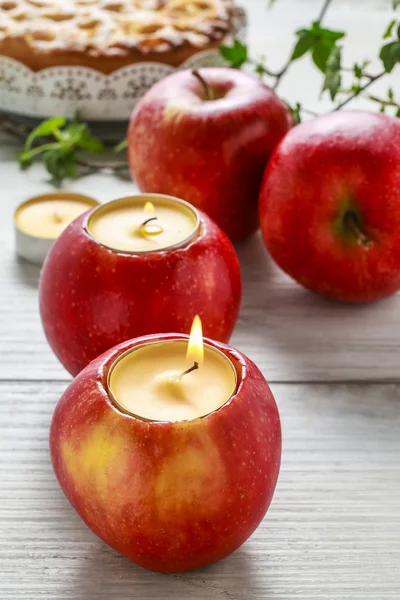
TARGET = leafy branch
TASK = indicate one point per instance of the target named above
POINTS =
(323, 47)
(66, 148)
(61, 152)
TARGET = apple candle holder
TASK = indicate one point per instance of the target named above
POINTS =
(103, 282)
(170, 495)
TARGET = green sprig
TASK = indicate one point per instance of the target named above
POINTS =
(61, 155)
(321, 44)
(318, 41)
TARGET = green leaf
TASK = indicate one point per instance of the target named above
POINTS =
(44, 129)
(357, 70)
(24, 156)
(398, 112)
(24, 159)
(90, 143)
(260, 69)
(306, 40)
(236, 54)
(390, 55)
(395, 3)
(390, 94)
(333, 77)
(296, 112)
(389, 29)
(329, 35)
(121, 146)
(60, 164)
(319, 41)
(321, 54)
(355, 88)
(398, 32)
(78, 134)
(73, 132)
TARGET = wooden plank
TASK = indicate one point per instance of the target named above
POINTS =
(332, 532)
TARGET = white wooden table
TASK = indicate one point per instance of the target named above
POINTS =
(333, 530)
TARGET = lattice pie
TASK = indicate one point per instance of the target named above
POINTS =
(108, 34)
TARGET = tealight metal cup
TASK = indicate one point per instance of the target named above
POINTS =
(35, 248)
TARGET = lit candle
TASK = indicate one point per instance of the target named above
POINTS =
(144, 223)
(172, 380)
(136, 266)
(40, 220)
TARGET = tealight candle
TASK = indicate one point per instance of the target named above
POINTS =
(144, 223)
(40, 220)
(172, 380)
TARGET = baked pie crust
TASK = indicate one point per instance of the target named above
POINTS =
(109, 34)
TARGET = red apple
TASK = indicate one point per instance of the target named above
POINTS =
(330, 205)
(170, 496)
(208, 144)
(92, 298)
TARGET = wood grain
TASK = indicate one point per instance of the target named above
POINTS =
(332, 532)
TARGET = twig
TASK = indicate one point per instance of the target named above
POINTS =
(312, 113)
(256, 63)
(323, 10)
(351, 70)
(19, 132)
(383, 101)
(282, 72)
(88, 168)
(360, 91)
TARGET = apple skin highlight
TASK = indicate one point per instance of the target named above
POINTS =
(170, 496)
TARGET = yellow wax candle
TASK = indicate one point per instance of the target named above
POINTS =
(144, 223)
(161, 381)
(48, 215)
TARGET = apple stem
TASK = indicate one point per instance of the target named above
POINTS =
(206, 87)
(352, 223)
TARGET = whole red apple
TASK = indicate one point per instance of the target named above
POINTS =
(170, 496)
(208, 143)
(92, 297)
(330, 205)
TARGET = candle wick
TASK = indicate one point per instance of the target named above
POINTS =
(192, 368)
(57, 217)
(155, 229)
(148, 221)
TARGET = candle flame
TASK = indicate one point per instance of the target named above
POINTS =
(195, 351)
(149, 207)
